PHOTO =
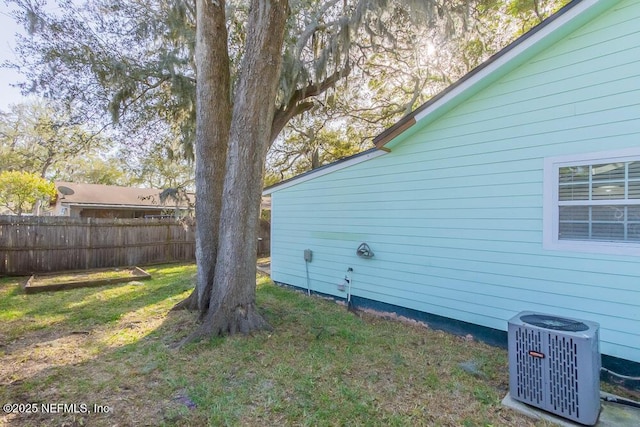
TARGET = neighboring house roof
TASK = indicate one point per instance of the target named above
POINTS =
(112, 196)
(552, 29)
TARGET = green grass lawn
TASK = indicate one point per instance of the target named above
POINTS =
(113, 347)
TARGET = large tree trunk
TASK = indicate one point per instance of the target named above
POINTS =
(232, 300)
(213, 121)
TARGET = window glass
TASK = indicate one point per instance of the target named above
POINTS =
(607, 231)
(633, 213)
(633, 232)
(634, 190)
(608, 191)
(574, 174)
(574, 213)
(634, 170)
(573, 231)
(574, 192)
(607, 213)
(608, 172)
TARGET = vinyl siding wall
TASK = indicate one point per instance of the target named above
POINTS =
(454, 213)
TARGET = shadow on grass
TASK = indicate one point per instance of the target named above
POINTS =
(8, 286)
(121, 385)
(73, 311)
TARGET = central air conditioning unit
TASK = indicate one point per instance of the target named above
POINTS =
(554, 365)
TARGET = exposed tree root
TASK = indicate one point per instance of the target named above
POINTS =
(243, 319)
(190, 303)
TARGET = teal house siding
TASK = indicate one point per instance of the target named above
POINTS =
(454, 212)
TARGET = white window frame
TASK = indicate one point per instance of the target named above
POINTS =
(551, 212)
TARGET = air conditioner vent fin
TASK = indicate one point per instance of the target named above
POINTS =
(563, 374)
(529, 369)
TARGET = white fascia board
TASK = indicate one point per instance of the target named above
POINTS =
(516, 51)
(324, 171)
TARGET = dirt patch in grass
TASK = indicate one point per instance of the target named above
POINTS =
(82, 279)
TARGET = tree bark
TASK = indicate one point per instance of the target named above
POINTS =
(213, 121)
(231, 305)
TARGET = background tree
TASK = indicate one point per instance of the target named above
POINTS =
(131, 59)
(20, 191)
(309, 142)
(93, 168)
(157, 162)
(38, 137)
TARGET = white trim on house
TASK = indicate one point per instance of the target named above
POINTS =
(333, 167)
(551, 213)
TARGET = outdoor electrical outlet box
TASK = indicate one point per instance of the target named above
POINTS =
(307, 255)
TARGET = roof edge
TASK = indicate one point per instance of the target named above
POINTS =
(326, 169)
(395, 130)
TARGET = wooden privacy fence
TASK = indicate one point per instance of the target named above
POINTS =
(46, 244)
